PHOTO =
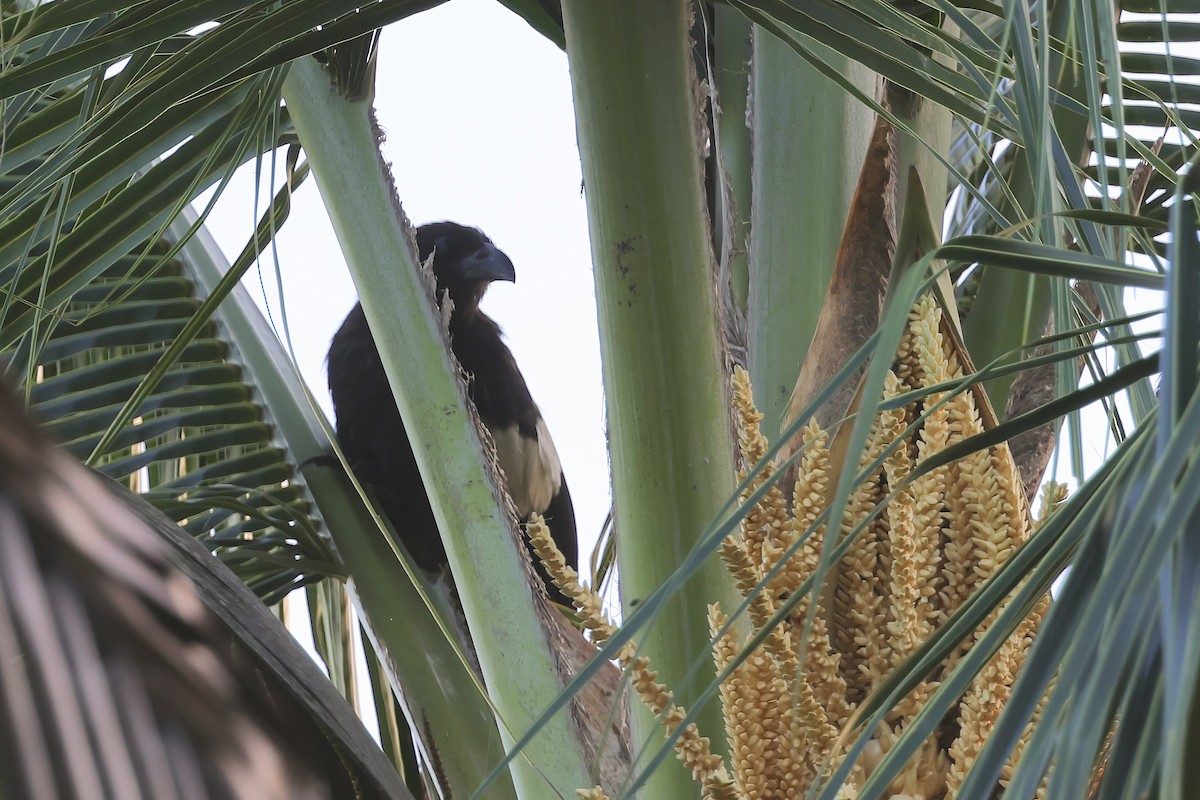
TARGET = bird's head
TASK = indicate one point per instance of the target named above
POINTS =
(464, 262)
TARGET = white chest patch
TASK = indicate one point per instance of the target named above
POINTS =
(531, 469)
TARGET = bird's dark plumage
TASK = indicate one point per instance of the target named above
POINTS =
(372, 435)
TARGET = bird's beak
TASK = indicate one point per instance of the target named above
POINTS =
(488, 263)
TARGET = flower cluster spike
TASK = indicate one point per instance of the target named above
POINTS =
(921, 540)
(691, 748)
(861, 591)
(767, 517)
(587, 602)
(761, 720)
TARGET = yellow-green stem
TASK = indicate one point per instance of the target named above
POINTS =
(518, 665)
(640, 128)
(809, 139)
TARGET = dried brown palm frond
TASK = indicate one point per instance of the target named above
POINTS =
(122, 677)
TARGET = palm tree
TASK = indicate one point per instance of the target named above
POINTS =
(783, 217)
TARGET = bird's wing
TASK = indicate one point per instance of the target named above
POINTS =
(560, 519)
(531, 466)
(536, 483)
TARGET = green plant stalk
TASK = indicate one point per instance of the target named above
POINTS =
(932, 130)
(1012, 307)
(485, 555)
(732, 52)
(809, 137)
(395, 739)
(639, 127)
(931, 124)
(325, 602)
(435, 684)
(440, 697)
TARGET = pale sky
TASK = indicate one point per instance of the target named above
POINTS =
(480, 130)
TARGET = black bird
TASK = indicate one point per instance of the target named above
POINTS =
(373, 438)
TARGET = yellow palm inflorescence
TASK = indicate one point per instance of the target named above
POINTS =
(920, 547)
(691, 748)
(907, 569)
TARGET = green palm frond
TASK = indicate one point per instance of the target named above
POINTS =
(202, 446)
